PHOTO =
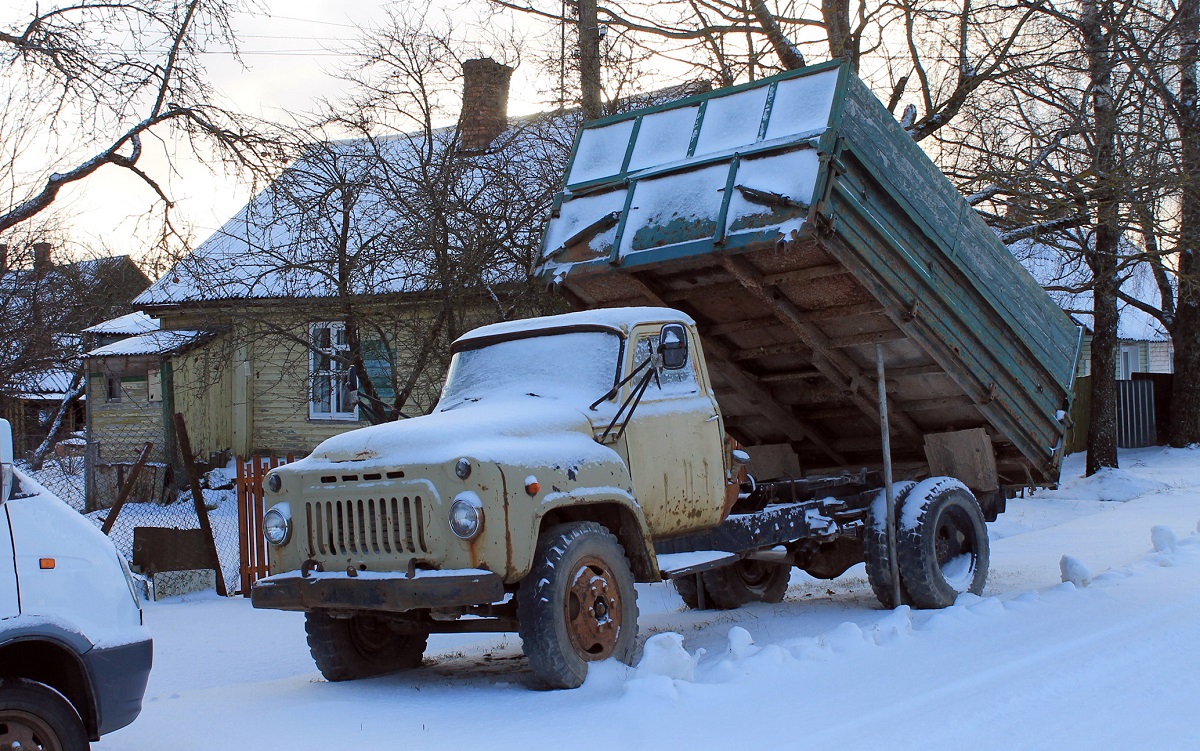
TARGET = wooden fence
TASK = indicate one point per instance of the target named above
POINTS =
(250, 474)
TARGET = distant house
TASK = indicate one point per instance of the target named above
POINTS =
(43, 308)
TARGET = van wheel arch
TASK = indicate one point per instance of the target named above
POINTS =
(50, 663)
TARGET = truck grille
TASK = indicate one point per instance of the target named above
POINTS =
(379, 526)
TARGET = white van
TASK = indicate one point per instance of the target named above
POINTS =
(74, 655)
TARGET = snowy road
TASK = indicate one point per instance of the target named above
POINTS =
(1034, 664)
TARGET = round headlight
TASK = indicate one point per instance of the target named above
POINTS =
(274, 482)
(277, 524)
(466, 519)
(463, 469)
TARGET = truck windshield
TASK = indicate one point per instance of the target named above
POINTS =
(577, 365)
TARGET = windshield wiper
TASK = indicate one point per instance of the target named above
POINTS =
(635, 395)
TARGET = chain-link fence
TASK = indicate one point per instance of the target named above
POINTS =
(125, 474)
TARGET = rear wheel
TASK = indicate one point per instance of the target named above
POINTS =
(689, 588)
(746, 581)
(577, 605)
(875, 547)
(360, 646)
(35, 716)
(943, 546)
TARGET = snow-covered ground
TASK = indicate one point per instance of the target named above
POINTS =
(1036, 663)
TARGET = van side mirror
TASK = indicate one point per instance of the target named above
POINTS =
(6, 459)
(673, 346)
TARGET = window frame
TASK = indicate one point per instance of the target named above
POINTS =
(331, 376)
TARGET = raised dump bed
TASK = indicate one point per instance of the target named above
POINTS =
(804, 230)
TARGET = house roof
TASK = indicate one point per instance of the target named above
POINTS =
(45, 384)
(1046, 263)
(272, 248)
(152, 343)
(128, 325)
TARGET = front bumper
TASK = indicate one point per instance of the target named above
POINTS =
(387, 592)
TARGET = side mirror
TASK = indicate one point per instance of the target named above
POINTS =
(6, 459)
(673, 346)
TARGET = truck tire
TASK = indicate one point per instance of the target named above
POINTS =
(943, 545)
(688, 590)
(875, 547)
(746, 581)
(577, 605)
(360, 646)
(35, 716)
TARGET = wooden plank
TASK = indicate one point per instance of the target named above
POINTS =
(834, 365)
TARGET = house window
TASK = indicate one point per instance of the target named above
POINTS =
(113, 385)
(332, 395)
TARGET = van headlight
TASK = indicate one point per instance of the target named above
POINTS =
(277, 524)
(466, 516)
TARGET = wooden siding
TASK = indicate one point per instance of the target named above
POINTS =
(118, 429)
(202, 391)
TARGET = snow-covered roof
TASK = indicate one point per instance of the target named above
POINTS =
(152, 343)
(618, 319)
(1048, 266)
(45, 384)
(278, 245)
(128, 324)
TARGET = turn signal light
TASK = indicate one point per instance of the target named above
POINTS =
(532, 486)
(46, 563)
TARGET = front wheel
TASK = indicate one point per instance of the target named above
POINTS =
(942, 543)
(360, 646)
(35, 716)
(577, 605)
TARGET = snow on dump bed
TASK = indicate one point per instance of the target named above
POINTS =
(741, 161)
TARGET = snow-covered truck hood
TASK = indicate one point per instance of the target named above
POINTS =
(516, 430)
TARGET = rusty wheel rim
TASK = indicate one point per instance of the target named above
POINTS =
(26, 731)
(593, 610)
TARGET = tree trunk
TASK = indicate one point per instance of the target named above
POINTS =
(1102, 257)
(788, 54)
(589, 60)
(836, 15)
(1185, 328)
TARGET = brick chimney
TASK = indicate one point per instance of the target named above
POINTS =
(42, 260)
(485, 103)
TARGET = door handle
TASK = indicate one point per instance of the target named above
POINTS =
(710, 419)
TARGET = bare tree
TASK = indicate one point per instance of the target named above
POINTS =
(89, 84)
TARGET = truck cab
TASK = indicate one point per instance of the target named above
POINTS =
(74, 654)
(551, 434)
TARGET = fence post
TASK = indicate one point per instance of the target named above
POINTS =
(127, 488)
(185, 448)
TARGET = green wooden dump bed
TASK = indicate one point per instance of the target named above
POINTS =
(800, 226)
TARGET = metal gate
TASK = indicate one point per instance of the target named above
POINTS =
(250, 474)
(1135, 414)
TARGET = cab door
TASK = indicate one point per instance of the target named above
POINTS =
(674, 443)
(9, 604)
